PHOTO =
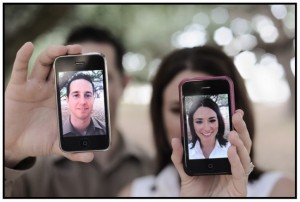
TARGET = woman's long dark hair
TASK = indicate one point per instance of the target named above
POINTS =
(206, 102)
(204, 59)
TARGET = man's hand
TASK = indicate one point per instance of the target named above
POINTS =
(31, 127)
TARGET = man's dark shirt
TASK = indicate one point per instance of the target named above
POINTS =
(56, 176)
(95, 128)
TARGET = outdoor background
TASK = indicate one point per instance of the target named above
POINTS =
(259, 37)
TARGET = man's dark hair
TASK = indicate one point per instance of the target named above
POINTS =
(98, 34)
(79, 76)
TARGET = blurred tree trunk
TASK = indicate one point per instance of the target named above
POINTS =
(284, 50)
(41, 20)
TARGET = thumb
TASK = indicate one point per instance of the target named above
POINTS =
(85, 157)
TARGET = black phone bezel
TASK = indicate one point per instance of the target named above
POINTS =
(205, 86)
(86, 62)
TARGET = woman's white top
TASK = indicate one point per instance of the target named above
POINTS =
(218, 151)
(166, 184)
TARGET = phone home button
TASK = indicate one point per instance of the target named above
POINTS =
(84, 142)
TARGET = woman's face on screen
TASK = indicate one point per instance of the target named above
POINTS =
(205, 123)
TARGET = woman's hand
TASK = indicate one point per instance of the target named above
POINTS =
(31, 127)
(234, 185)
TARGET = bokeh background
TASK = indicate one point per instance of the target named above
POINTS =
(259, 37)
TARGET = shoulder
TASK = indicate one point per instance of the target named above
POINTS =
(195, 152)
(97, 123)
(272, 184)
(224, 147)
(285, 187)
(67, 128)
(197, 145)
(99, 127)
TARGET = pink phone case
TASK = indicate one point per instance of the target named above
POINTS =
(205, 78)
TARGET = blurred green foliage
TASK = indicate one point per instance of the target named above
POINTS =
(146, 29)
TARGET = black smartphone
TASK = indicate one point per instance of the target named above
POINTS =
(82, 102)
(207, 105)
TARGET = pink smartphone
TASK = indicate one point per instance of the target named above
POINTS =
(207, 105)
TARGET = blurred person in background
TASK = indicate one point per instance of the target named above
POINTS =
(170, 179)
(31, 128)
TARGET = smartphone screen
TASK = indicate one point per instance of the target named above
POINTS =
(206, 108)
(82, 102)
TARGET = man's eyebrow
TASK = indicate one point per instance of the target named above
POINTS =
(74, 92)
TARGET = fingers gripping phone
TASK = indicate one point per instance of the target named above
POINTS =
(207, 105)
(82, 102)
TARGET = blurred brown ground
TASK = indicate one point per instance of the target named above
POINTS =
(274, 144)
